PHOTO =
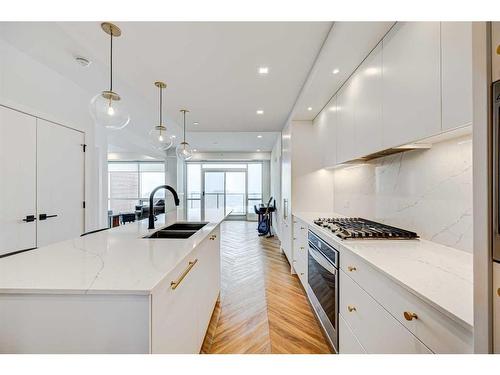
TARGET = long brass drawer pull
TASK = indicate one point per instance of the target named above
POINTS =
(351, 308)
(351, 268)
(410, 315)
(498, 292)
(175, 284)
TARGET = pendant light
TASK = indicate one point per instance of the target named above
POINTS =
(159, 137)
(183, 149)
(107, 107)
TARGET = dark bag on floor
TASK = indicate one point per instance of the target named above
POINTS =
(263, 227)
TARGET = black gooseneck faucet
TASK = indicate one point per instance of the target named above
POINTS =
(151, 207)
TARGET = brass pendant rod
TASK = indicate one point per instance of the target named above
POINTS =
(184, 126)
(161, 106)
(111, 63)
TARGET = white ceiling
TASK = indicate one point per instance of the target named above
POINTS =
(211, 68)
(232, 141)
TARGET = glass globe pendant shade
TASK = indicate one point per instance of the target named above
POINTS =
(183, 151)
(160, 139)
(107, 110)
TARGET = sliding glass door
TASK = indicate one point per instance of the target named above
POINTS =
(231, 186)
(224, 190)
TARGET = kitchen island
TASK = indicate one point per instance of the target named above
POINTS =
(113, 291)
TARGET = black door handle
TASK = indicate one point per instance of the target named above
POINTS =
(45, 216)
(29, 218)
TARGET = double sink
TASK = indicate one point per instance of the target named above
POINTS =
(178, 230)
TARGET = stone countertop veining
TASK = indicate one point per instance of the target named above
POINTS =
(440, 275)
(118, 260)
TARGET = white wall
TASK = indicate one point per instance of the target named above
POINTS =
(426, 191)
(275, 177)
(31, 87)
(170, 179)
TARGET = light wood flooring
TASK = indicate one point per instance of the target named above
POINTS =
(262, 307)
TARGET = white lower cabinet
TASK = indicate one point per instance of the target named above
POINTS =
(174, 327)
(209, 286)
(496, 308)
(300, 249)
(180, 316)
(437, 331)
(348, 342)
(376, 330)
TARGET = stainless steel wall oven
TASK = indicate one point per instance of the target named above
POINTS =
(323, 284)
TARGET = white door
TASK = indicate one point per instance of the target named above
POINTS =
(496, 307)
(17, 181)
(60, 183)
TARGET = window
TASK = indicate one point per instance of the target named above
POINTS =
(254, 185)
(130, 183)
(235, 186)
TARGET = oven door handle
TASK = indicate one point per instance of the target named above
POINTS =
(321, 260)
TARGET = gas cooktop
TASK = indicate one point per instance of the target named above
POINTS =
(359, 228)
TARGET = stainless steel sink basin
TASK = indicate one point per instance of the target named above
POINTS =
(186, 226)
(178, 230)
(172, 234)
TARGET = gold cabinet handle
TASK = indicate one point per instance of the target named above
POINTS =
(351, 308)
(302, 273)
(302, 248)
(302, 228)
(351, 268)
(213, 237)
(410, 315)
(498, 292)
(175, 284)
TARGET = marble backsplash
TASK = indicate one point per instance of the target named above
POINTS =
(427, 191)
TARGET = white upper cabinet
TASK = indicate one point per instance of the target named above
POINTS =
(325, 124)
(346, 144)
(411, 82)
(456, 74)
(368, 110)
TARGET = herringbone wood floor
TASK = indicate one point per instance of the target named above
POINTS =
(262, 307)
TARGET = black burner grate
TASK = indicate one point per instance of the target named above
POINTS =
(358, 227)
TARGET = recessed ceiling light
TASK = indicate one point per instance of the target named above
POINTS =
(259, 136)
(263, 70)
(172, 136)
(335, 71)
(196, 123)
(309, 108)
(258, 150)
(194, 150)
(260, 112)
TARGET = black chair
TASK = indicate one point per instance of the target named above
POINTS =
(128, 217)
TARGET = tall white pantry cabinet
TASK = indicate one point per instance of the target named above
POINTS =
(42, 182)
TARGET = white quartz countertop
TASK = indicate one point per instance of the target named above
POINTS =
(118, 260)
(438, 274)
